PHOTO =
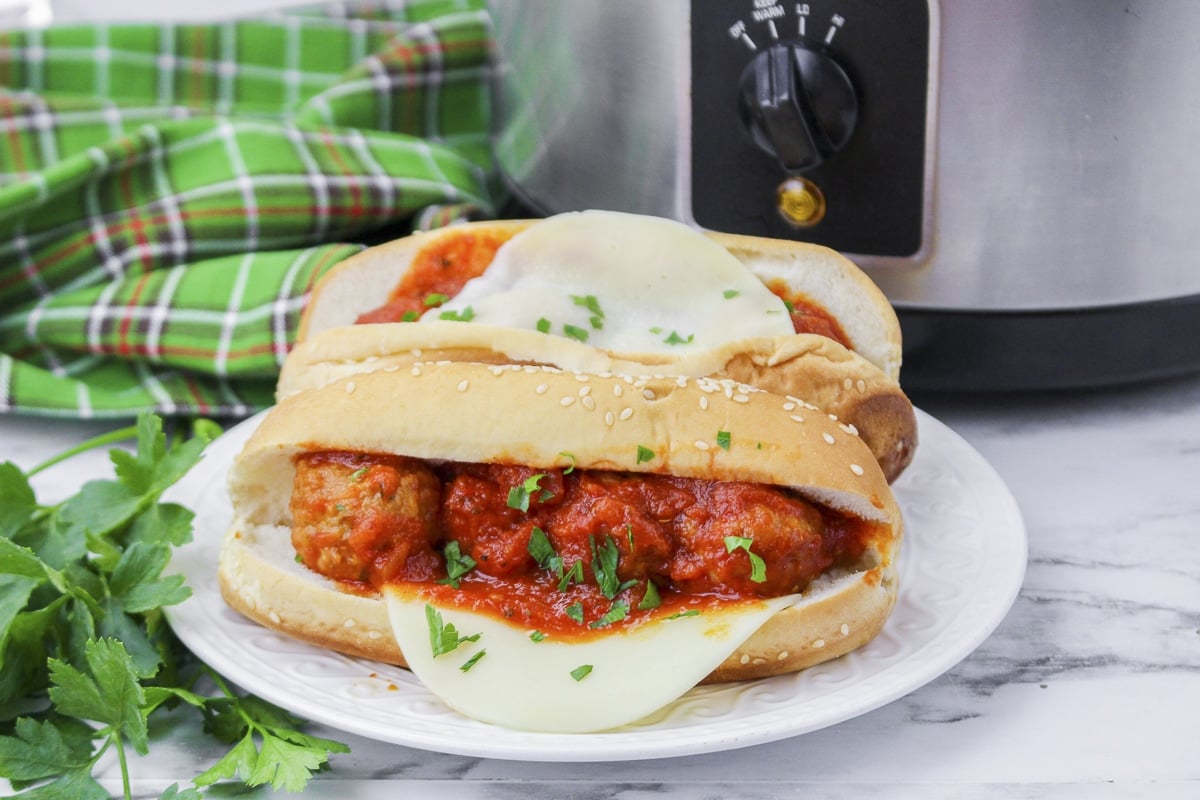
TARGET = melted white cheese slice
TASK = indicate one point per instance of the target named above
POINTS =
(528, 685)
(658, 285)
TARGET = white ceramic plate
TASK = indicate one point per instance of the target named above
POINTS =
(961, 565)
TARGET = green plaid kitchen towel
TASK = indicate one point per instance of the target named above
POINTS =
(170, 193)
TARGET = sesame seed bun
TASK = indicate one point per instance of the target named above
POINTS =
(530, 415)
(813, 367)
(859, 384)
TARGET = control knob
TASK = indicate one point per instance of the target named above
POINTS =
(798, 105)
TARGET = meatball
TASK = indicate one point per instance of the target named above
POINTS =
(365, 518)
(477, 513)
(785, 532)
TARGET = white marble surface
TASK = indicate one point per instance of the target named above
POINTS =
(1089, 689)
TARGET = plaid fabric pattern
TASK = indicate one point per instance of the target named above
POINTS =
(170, 193)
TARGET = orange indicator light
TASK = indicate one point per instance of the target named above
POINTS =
(800, 202)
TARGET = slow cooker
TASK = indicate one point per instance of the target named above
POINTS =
(1020, 178)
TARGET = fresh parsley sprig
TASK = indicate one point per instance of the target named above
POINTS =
(86, 657)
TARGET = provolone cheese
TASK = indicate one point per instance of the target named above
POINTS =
(621, 282)
(507, 678)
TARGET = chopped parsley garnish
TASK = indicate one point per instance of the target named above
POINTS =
(457, 564)
(543, 325)
(593, 305)
(723, 440)
(675, 338)
(518, 496)
(604, 567)
(435, 299)
(542, 550)
(410, 316)
(575, 332)
(618, 612)
(651, 599)
(573, 575)
(358, 473)
(574, 611)
(581, 672)
(691, 612)
(730, 293)
(790, 307)
(473, 660)
(466, 315)
(644, 454)
(571, 468)
(537, 636)
(656, 330)
(444, 637)
(758, 567)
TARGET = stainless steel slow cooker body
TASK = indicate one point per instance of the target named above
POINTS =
(1020, 177)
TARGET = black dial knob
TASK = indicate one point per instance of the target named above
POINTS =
(798, 105)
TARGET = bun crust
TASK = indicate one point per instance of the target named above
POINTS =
(529, 415)
(807, 366)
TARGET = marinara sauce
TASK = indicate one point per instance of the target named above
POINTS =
(559, 551)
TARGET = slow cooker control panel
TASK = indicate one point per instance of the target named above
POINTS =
(809, 121)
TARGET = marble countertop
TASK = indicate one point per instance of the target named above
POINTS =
(1090, 688)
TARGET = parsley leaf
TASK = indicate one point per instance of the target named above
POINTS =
(617, 612)
(466, 315)
(723, 439)
(81, 626)
(644, 454)
(518, 496)
(758, 567)
(443, 636)
(575, 332)
(581, 672)
(458, 563)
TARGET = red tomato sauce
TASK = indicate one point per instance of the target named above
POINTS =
(557, 551)
(440, 268)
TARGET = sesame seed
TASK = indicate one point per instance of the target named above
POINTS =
(416, 353)
(497, 371)
(542, 388)
(681, 382)
(789, 406)
(703, 403)
(759, 661)
(372, 359)
(589, 403)
(848, 383)
(617, 390)
(274, 617)
(463, 385)
(745, 659)
(566, 401)
(833, 417)
(845, 629)
(626, 413)
(818, 644)
(850, 429)
(350, 387)
(416, 371)
(862, 385)
(856, 469)
(783, 654)
(584, 391)
(797, 418)
(701, 444)
(741, 398)
(392, 368)
(349, 623)
(649, 394)
(579, 376)
(828, 437)
(609, 418)
(374, 635)
(445, 362)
